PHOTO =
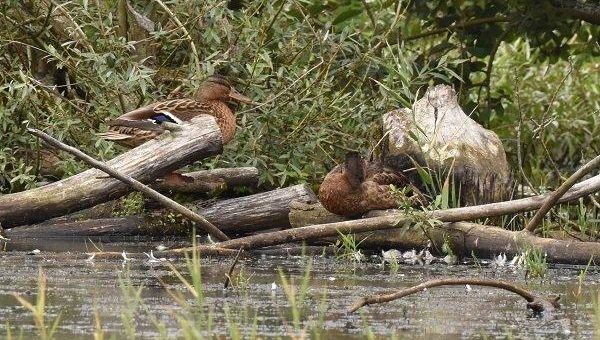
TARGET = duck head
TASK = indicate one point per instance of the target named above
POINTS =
(218, 88)
(353, 168)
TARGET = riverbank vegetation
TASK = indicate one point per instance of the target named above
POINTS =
(324, 72)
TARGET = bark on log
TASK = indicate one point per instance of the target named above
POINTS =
(145, 163)
(207, 181)
(266, 210)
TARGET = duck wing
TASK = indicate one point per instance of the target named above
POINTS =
(174, 111)
(387, 178)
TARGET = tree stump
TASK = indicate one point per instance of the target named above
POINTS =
(442, 139)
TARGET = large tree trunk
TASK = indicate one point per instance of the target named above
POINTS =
(145, 163)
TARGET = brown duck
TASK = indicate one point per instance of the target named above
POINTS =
(359, 185)
(140, 125)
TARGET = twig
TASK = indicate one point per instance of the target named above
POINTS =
(165, 201)
(536, 303)
(459, 25)
(123, 27)
(543, 122)
(519, 146)
(76, 27)
(555, 196)
(228, 276)
(490, 65)
(284, 90)
(596, 204)
(370, 14)
(184, 30)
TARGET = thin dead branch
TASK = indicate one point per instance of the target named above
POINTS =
(555, 196)
(185, 32)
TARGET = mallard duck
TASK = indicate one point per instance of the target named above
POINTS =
(140, 125)
(359, 185)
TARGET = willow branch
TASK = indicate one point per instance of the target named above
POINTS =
(184, 30)
(457, 26)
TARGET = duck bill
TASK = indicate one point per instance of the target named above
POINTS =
(235, 95)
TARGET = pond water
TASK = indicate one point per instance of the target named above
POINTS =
(79, 290)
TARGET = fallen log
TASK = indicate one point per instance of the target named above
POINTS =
(116, 226)
(208, 181)
(466, 238)
(168, 203)
(145, 163)
(499, 240)
(392, 220)
(267, 210)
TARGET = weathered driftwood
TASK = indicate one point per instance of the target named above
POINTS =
(166, 202)
(145, 163)
(438, 135)
(535, 302)
(214, 180)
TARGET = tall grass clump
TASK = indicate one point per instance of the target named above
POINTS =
(45, 330)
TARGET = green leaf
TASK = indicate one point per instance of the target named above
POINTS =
(347, 14)
(424, 174)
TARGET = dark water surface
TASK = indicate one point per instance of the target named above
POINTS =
(78, 289)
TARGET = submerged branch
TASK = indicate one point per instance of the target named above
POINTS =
(536, 303)
(230, 272)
